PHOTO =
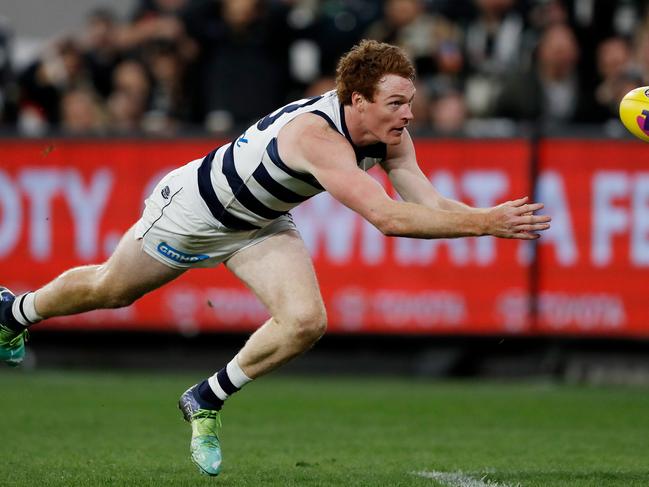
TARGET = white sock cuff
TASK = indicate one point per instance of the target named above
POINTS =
(236, 374)
(24, 310)
(216, 388)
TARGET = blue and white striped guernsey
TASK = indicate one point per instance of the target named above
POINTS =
(245, 183)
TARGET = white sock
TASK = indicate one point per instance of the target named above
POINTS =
(236, 373)
(24, 310)
(228, 380)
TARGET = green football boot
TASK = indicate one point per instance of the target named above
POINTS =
(206, 424)
(12, 343)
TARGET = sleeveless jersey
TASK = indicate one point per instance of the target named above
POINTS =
(245, 183)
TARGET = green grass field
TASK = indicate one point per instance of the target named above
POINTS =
(111, 429)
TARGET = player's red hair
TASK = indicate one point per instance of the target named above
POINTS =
(361, 69)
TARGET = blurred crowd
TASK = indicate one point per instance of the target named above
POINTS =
(184, 66)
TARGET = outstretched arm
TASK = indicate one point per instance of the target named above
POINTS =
(315, 148)
(411, 183)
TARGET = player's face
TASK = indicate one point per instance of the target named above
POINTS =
(391, 111)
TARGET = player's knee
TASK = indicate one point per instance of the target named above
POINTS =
(309, 324)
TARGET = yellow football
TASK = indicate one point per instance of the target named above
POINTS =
(634, 112)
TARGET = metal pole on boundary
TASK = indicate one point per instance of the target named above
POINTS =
(534, 273)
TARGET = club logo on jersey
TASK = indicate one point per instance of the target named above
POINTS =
(242, 140)
(646, 92)
(643, 122)
(174, 254)
(165, 192)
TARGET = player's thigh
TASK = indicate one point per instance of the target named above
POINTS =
(280, 272)
(131, 270)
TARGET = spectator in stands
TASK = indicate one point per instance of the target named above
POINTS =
(124, 115)
(154, 21)
(641, 48)
(552, 90)
(448, 113)
(81, 112)
(243, 65)
(101, 51)
(493, 48)
(129, 99)
(541, 15)
(242, 68)
(431, 41)
(594, 21)
(544, 13)
(456, 10)
(614, 58)
(167, 107)
(150, 9)
(43, 83)
(131, 77)
(339, 25)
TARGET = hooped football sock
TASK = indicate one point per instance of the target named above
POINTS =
(212, 393)
(24, 309)
(206, 397)
(19, 313)
(236, 374)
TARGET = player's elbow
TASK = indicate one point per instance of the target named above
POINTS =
(388, 217)
(388, 226)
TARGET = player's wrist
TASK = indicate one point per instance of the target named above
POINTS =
(483, 220)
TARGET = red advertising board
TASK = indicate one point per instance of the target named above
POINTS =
(594, 264)
(400, 285)
(65, 203)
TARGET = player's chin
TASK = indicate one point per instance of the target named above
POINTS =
(393, 137)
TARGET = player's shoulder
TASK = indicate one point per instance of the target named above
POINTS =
(309, 140)
(308, 128)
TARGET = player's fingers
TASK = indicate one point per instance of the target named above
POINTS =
(533, 219)
(520, 201)
(529, 208)
(525, 236)
(532, 228)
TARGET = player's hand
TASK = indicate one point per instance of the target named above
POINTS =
(516, 219)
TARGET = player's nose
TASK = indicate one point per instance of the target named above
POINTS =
(407, 113)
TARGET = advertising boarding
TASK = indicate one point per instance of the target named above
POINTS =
(65, 203)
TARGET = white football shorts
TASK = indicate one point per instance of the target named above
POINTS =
(177, 228)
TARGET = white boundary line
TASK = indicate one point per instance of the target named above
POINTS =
(459, 479)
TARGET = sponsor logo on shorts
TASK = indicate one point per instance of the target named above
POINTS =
(168, 251)
(165, 192)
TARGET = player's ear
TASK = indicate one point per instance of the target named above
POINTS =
(358, 101)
